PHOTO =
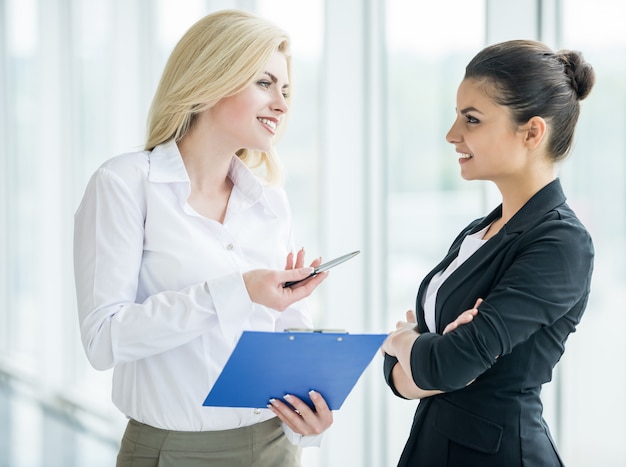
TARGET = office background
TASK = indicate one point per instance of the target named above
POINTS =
(367, 168)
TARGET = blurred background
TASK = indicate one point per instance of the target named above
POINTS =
(368, 168)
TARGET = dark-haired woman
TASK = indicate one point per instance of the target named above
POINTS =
(522, 273)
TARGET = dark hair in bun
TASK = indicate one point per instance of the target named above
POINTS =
(532, 80)
(578, 71)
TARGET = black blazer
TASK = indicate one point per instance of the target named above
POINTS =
(534, 277)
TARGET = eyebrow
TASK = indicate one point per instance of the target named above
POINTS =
(274, 79)
(469, 109)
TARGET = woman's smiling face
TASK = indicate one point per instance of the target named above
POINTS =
(484, 134)
(250, 118)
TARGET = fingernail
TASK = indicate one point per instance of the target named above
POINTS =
(287, 397)
(312, 393)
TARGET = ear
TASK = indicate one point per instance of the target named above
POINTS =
(535, 131)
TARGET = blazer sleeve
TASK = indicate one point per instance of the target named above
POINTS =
(388, 363)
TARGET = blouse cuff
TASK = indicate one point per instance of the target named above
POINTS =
(301, 440)
(232, 302)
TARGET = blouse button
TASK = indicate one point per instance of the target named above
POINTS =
(230, 246)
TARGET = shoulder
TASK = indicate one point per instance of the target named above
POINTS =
(127, 167)
(561, 221)
(564, 224)
(548, 219)
(128, 172)
(120, 180)
(560, 242)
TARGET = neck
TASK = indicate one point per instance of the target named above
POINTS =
(516, 193)
(207, 163)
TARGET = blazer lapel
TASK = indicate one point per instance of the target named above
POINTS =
(543, 201)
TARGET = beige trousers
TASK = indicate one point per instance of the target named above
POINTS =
(261, 445)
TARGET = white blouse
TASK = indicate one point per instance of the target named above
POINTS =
(470, 245)
(160, 291)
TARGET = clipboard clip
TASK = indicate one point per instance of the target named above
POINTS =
(317, 330)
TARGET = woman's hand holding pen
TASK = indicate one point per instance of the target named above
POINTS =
(265, 286)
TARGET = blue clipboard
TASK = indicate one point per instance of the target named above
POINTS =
(267, 365)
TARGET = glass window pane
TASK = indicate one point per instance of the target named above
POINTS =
(428, 202)
(594, 175)
(22, 179)
(427, 58)
(299, 150)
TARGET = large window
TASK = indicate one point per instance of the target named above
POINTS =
(591, 377)
(367, 168)
(427, 201)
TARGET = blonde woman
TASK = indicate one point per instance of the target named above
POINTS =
(181, 247)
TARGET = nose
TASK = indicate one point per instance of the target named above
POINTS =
(453, 136)
(280, 103)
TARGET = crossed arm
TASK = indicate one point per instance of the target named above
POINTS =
(399, 344)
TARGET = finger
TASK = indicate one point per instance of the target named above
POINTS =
(478, 302)
(285, 413)
(449, 328)
(411, 317)
(289, 262)
(384, 349)
(299, 406)
(288, 413)
(400, 324)
(300, 258)
(452, 326)
(316, 262)
(463, 318)
(313, 422)
(468, 315)
(318, 401)
(324, 414)
(296, 274)
(303, 289)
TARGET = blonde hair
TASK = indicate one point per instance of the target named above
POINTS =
(217, 57)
